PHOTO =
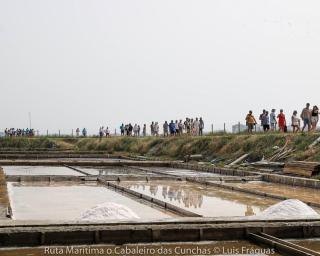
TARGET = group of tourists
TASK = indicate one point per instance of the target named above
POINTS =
(12, 132)
(190, 127)
(132, 130)
(308, 119)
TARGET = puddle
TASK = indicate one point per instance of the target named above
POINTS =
(39, 170)
(206, 201)
(226, 248)
(182, 172)
(301, 193)
(63, 202)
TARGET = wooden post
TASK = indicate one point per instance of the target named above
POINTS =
(47, 133)
(224, 127)
(59, 133)
(212, 128)
(239, 129)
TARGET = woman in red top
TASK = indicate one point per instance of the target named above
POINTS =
(281, 121)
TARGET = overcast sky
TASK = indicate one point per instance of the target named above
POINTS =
(90, 63)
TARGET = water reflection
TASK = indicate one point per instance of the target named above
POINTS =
(117, 171)
(199, 198)
(301, 193)
(182, 172)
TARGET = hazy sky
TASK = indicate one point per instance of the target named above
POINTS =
(86, 63)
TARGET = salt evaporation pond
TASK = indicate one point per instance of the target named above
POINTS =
(197, 198)
(181, 172)
(114, 171)
(62, 202)
(40, 170)
(301, 193)
(312, 244)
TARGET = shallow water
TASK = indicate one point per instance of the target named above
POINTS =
(63, 202)
(39, 170)
(115, 171)
(226, 248)
(301, 193)
(79, 159)
(312, 244)
(206, 201)
(182, 172)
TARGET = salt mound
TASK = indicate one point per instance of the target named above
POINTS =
(289, 208)
(108, 211)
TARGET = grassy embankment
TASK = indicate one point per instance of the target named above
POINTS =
(215, 146)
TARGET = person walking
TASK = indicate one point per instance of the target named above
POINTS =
(201, 126)
(172, 128)
(176, 128)
(306, 116)
(130, 128)
(265, 121)
(126, 129)
(282, 121)
(261, 116)
(314, 118)
(180, 127)
(192, 127)
(295, 122)
(156, 129)
(135, 130)
(122, 130)
(187, 126)
(152, 129)
(139, 130)
(165, 129)
(273, 120)
(196, 127)
(84, 132)
(144, 130)
(250, 121)
(107, 132)
(101, 132)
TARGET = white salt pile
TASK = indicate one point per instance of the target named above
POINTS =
(289, 208)
(108, 211)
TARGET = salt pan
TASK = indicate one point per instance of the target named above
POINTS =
(108, 211)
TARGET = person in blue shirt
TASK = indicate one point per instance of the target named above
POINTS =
(172, 128)
(84, 132)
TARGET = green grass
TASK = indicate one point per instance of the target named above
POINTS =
(228, 146)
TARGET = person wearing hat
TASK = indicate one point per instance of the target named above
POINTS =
(251, 121)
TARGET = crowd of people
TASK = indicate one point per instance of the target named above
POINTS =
(308, 120)
(269, 121)
(190, 127)
(12, 132)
